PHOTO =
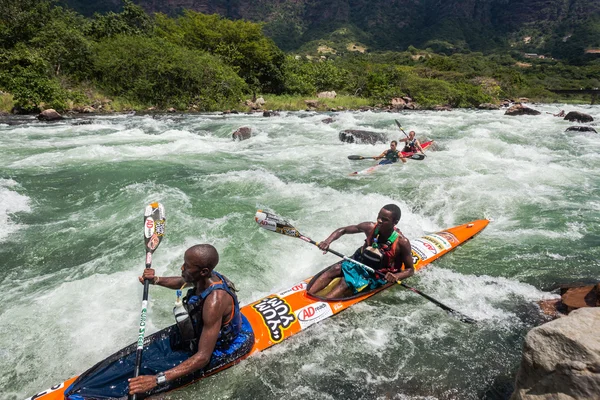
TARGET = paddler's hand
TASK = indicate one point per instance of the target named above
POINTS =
(142, 384)
(391, 277)
(324, 245)
(147, 274)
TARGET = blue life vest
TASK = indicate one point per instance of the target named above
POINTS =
(193, 304)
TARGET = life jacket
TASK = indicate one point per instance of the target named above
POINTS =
(392, 155)
(381, 257)
(411, 145)
(193, 304)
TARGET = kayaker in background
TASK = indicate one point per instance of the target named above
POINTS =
(391, 155)
(214, 320)
(412, 144)
(385, 250)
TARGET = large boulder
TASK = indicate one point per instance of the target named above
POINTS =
(561, 359)
(520, 109)
(578, 116)
(358, 136)
(49, 115)
(242, 133)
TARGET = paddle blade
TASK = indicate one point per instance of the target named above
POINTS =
(154, 226)
(354, 157)
(417, 156)
(274, 223)
(398, 123)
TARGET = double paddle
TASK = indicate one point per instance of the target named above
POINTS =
(274, 223)
(154, 231)
(414, 156)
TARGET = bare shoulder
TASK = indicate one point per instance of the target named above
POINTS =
(366, 226)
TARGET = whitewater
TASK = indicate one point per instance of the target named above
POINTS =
(72, 196)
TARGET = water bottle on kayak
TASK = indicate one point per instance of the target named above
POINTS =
(182, 318)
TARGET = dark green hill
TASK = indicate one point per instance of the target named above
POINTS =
(552, 27)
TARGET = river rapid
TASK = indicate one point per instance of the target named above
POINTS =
(72, 196)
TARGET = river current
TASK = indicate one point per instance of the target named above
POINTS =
(72, 196)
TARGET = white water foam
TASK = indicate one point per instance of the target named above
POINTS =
(11, 202)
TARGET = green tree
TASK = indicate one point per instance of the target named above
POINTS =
(240, 44)
(155, 72)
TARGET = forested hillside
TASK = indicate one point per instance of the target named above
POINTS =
(54, 57)
(559, 28)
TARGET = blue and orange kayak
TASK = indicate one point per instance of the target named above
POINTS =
(267, 322)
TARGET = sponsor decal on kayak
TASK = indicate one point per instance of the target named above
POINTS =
(416, 251)
(424, 247)
(313, 313)
(149, 227)
(438, 241)
(153, 242)
(294, 289)
(449, 237)
(277, 316)
(47, 391)
(416, 258)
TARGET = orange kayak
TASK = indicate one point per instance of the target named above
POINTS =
(271, 320)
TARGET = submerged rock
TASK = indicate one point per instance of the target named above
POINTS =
(580, 129)
(358, 136)
(561, 359)
(242, 133)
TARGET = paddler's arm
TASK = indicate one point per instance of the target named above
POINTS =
(379, 157)
(404, 256)
(364, 227)
(171, 282)
(419, 146)
(212, 315)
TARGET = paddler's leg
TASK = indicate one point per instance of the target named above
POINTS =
(338, 290)
(325, 278)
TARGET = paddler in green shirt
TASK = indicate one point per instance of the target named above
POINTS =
(391, 155)
(385, 249)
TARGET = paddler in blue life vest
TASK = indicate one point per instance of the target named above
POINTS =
(391, 155)
(411, 144)
(385, 250)
(214, 321)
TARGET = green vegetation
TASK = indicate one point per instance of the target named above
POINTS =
(55, 58)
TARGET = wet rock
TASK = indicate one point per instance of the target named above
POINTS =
(49, 115)
(488, 106)
(578, 116)
(242, 133)
(327, 120)
(270, 113)
(442, 108)
(561, 359)
(358, 136)
(580, 129)
(519, 109)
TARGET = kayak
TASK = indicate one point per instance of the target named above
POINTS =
(406, 154)
(267, 322)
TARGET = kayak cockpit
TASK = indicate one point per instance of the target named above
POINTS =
(347, 295)
(163, 350)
